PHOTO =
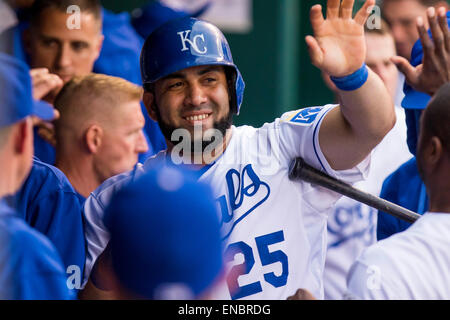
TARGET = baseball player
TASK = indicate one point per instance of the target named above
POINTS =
(100, 130)
(30, 267)
(414, 264)
(152, 254)
(273, 229)
(405, 186)
(105, 43)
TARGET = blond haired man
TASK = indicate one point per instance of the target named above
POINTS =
(99, 133)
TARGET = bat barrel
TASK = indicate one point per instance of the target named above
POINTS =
(299, 169)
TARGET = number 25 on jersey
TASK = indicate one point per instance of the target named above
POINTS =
(266, 257)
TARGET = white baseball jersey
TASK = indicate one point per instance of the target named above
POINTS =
(413, 264)
(352, 225)
(274, 229)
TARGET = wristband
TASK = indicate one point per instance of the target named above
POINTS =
(353, 81)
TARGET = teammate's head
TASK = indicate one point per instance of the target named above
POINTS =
(101, 117)
(380, 48)
(189, 77)
(16, 135)
(64, 36)
(401, 15)
(433, 151)
(158, 249)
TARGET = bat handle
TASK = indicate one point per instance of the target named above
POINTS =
(299, 169)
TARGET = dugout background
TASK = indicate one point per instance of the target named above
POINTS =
(272, 58)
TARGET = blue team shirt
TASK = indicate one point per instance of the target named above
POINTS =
(49, 204)
(30, 268)
(405, 188)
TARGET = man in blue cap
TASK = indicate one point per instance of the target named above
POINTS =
(30, 267)
(158, 251)
(404, 186)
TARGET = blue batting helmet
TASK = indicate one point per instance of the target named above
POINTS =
(189, 42)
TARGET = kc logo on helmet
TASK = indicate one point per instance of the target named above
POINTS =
(184, 35)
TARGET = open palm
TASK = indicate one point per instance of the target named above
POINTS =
(338, 46)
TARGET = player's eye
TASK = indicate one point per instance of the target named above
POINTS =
(209, 79)
(79, 45)
(49, 43)
(175, 85)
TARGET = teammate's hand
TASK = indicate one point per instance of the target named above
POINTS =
(302, 294)
(434, 71)
(45, 85)
(338, 46)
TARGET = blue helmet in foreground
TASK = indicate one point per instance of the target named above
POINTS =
(189, 42)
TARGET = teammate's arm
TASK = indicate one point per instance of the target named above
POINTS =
(350, 132)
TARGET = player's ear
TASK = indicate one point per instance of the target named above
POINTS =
(99, 45)
(22, 133)
(434, 152)
(149, 102)
(93, 138)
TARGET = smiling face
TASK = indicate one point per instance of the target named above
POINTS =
(65, 52)
(196, 96)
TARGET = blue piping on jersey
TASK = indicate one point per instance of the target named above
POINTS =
(314, 140)
(422, 199)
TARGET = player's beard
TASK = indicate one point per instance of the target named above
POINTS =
(222, 125)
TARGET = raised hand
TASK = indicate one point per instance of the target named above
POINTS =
(338, 46)
(434, 71)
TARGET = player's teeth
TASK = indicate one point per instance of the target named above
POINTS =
(197, 118)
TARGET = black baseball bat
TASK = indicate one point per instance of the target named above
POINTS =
(299, 169)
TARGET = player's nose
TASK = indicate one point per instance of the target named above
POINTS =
(196, 95)
(64, 57)
(141, 145)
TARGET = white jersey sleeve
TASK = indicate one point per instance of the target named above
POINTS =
(97, 235)
(299, 137)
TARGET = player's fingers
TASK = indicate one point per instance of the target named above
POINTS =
(38, 74)
(442, 19)
(347, 9)
(333, 9)
(46, 84)
(407, 69)
(37, 71)
(436, 32)
(48, 134)
(315, 52)
(429, 57)
(364, 13)
(316, 17)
